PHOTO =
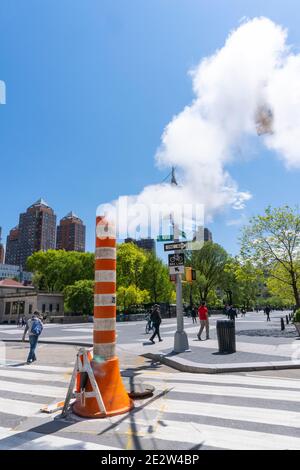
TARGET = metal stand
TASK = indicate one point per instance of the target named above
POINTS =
(83, 366)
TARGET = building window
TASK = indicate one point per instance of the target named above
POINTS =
(7, 308)
(21, 308)
(15, 308)
(43, 308)
(57, 307)
(50, 308)
(30, 309)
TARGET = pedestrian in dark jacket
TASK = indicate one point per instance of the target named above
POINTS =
(194, 313)
(156, 321)
(232, 313)
(267, 312)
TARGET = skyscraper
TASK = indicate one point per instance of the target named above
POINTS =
(1, 248)
(147, 244)
(12, 247)
(36, 231)
(71, 233)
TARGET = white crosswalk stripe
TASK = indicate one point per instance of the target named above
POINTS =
(177, 415)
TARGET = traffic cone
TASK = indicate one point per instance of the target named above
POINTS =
(105, 364)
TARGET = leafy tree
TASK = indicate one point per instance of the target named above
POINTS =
(130, 265)
(245, 279)
(55, 269)
(155, 279)
(79, 297)
(209, 262)
(131, 295)
(273, 239)
(282, 292)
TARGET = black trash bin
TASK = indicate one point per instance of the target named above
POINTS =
(226, 336)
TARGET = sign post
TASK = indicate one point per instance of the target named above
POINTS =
(176, 266)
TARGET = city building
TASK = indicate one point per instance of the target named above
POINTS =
(17, 300)
(12, 247)
(71, 233)
(1, 248)
(147, 244)
(207, 235)
(36, 231)
(9, 271)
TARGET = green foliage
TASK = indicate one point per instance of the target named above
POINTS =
(130, 265)
(297, 316)
(155, 279)
(55, 269)
(130, 296)
(273, 240)
(79, 297)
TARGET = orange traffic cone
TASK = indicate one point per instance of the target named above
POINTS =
(105, 364)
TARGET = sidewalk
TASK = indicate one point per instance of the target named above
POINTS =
(259, 346)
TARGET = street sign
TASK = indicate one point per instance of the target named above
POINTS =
(184, 246)
(176, 259)
(164, 238)
(176, 269)
(175, 246)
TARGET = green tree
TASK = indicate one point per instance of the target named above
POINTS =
(209, 263)
(273, 239)
(131, 296)
(245, 280)
(79, 297)
(156, 280)
(130, 265)
(55, 269)
(282, 292)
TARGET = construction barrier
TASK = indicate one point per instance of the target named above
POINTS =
(105, 364)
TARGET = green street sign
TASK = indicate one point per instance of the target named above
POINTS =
(164, 238)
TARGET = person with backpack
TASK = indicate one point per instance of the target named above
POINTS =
(156, 321)
(34, 327)
(232, 313)
(267, 312)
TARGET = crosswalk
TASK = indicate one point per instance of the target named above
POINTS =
(187, 411)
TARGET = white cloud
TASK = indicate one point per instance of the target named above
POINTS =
(254, 68)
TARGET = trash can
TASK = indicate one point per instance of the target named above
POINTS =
(226, 336)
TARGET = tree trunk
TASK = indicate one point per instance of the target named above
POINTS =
(295, 290)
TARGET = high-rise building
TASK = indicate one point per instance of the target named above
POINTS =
(207, 235)
(71, 233)
(12, 247)
(1, 248)
(36, 231)
(147, 244)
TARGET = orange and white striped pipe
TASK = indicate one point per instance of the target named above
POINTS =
(105, 363)
(105, 291)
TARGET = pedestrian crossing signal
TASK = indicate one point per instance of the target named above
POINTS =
(190, 274)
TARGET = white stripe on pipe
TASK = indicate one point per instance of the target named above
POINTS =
(106, 253)
(215, 436)
(106, 350)
(273, 417)
(15, 440)
(106, 230)
(104, 300)
(105, 324)
(34, 389)
(105, 275)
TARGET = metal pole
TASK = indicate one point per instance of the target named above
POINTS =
(181, 342)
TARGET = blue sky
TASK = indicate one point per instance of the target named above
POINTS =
(91, 84)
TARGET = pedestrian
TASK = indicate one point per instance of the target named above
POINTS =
(156, 321)
(34, 327)
(194, 314)
(232, 314)
(243, 312)
(203, 317)
(267, 312)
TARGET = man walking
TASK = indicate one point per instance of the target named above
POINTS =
(267, 312)
(203, 317)
(194, 314)
(156, 321)
(34, 327)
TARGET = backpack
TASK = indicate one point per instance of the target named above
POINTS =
(36, 327)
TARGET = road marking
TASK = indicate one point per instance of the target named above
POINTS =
(34, 389)
(19, 407)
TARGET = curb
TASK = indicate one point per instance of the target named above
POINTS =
(187, 366)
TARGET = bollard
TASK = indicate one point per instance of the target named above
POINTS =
(282, 324)
(105, 364)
